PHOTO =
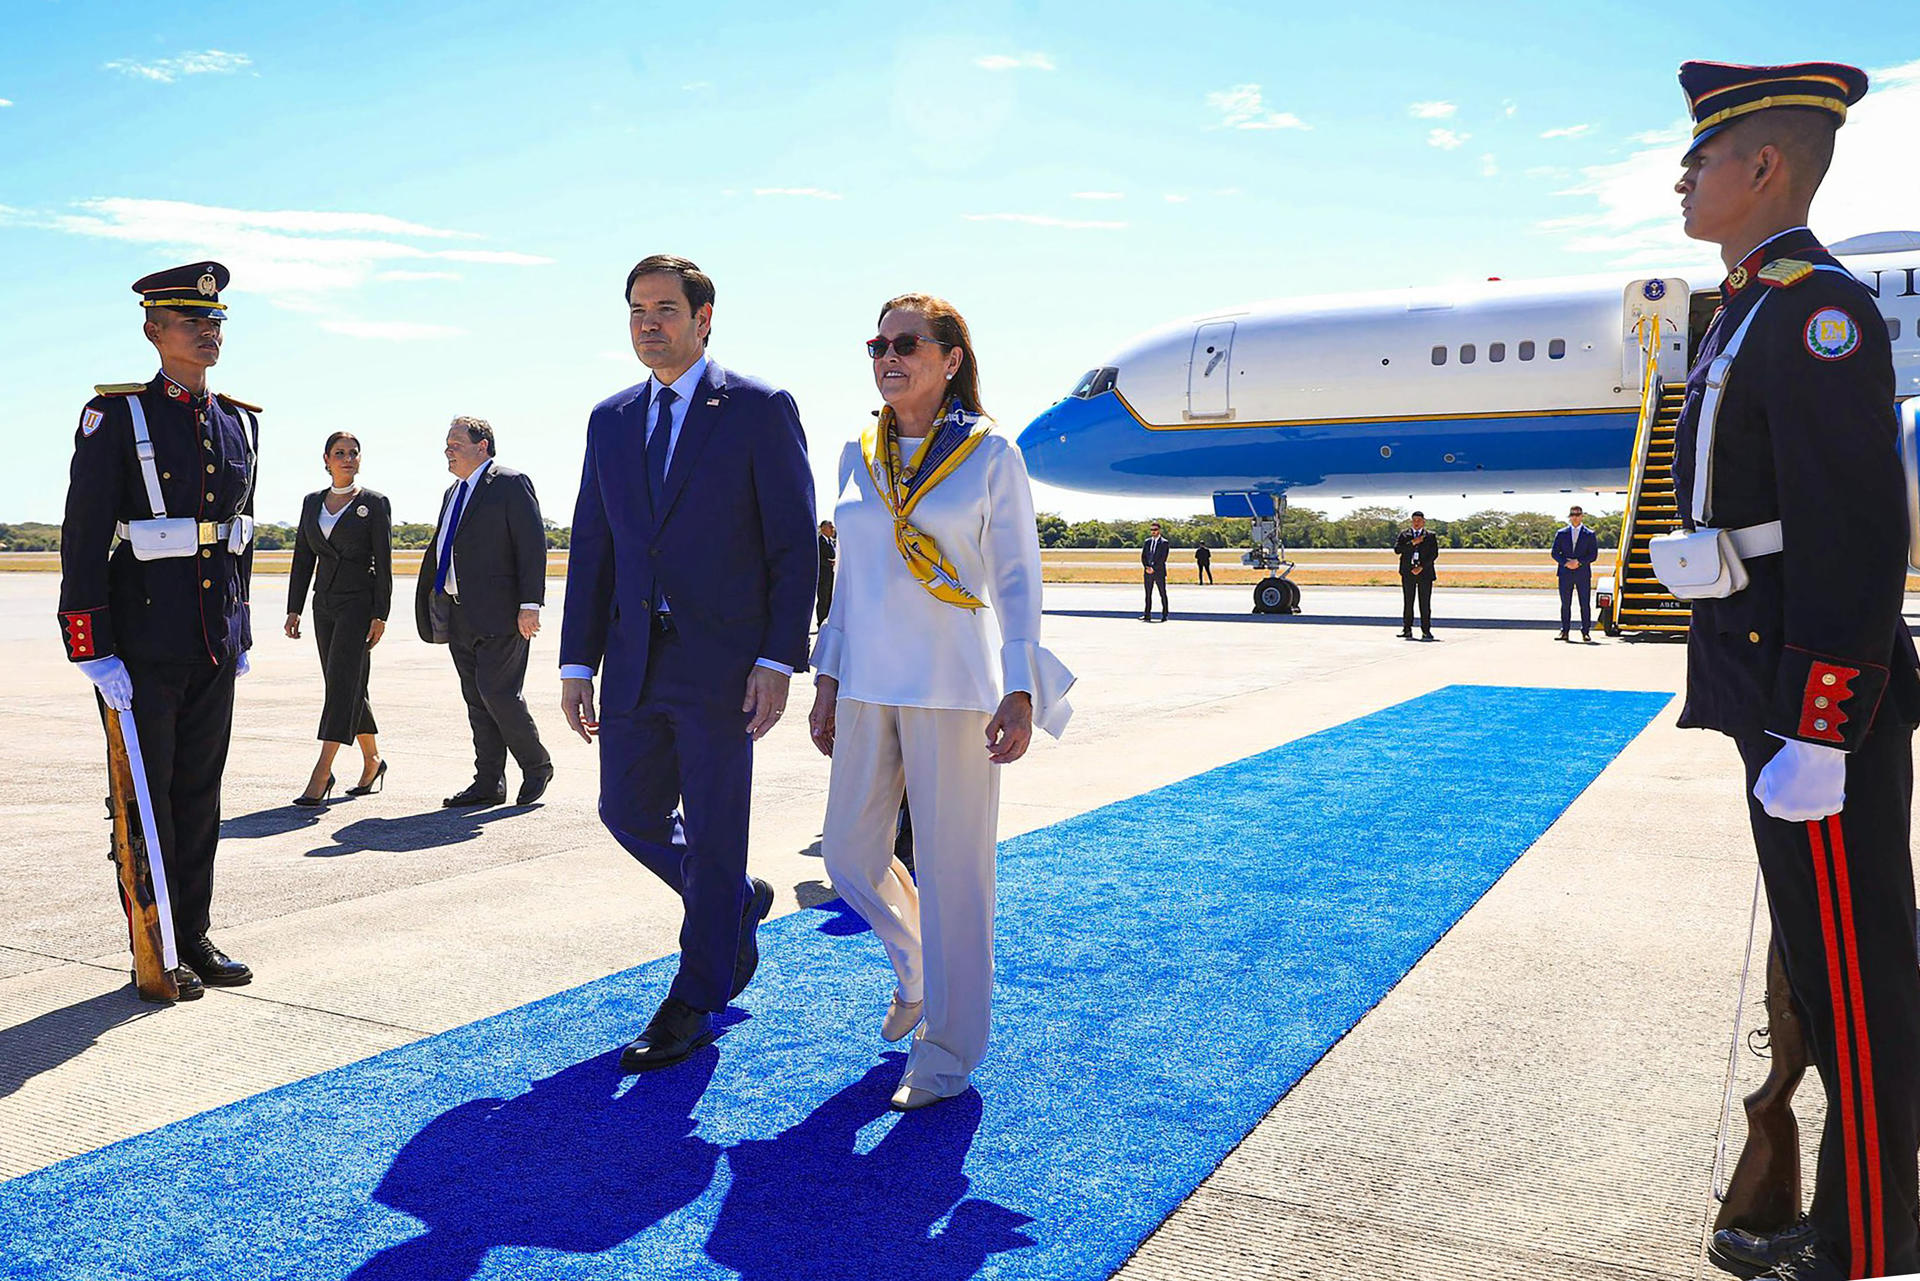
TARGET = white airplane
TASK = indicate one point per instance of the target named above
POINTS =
(1492, 388)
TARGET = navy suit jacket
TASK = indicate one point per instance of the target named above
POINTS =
(1565, 548)
(733, 547)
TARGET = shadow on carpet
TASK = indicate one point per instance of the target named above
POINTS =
(1169, 967)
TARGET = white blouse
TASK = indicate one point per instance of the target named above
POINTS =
(887, 640)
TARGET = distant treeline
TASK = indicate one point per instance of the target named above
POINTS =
(1302, 527)
(31, 536)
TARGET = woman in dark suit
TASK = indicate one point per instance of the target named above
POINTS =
(345, 548)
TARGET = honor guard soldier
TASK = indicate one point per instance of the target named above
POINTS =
(1789, 473)
(156, 557)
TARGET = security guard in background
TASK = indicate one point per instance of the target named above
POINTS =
(1810, 667)
(158, 626)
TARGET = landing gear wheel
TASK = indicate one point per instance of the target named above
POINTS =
(1276, 596)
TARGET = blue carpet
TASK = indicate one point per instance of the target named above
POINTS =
(1169, 967)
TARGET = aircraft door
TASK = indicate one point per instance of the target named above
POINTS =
(1210, 371)
(1659, 305)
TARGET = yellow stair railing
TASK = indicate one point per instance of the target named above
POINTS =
(1641, 606)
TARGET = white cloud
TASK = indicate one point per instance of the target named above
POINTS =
(1489, 165)
(1508, 108)
(1015, 62)
(1446, 139)
(293, 257)
(1244, 107)
(211, 62)
(695, 86)
(1569, 131)
(805, 193)
(1226, 191)
(1046, 220)
(6, 102)
(1631, 214)
(390, 330)
(1099, 195)
(417, 275)
(1432, 110)
(1172, 199)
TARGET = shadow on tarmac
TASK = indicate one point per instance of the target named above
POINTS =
(581, 1163)
(276, 820)
(1327, 620)
(429, 829)
(58, 1036)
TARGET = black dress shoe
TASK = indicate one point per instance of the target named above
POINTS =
(534, 786)
(675, 1031)
(1406, 635)
(1561, 636)
(1586, 638)
(215, 968)
(747, 960)
(1747, 1254)
(191, 988)
(476, 795)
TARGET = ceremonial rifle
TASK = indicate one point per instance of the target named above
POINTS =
(148, 931)
(1763, 1194)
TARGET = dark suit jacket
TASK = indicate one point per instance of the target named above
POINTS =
(1153, 556)
(829, 553)
(1565, 548)
(1429, 548)
(734, 547)
(499, 555)
(353, 565)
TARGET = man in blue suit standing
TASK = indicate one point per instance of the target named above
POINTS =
(690, 587)
(1575, 548)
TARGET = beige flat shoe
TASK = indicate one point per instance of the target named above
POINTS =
(902, 1018)
(911, 1098)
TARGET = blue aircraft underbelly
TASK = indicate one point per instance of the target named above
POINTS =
(1097, 445)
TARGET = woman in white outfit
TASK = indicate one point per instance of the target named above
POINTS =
(930, 676)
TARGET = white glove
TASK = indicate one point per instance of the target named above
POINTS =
(242, 664)
(109, 675)
(1803, 782)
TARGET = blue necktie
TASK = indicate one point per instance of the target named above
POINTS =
(658, 444)
(446, 548)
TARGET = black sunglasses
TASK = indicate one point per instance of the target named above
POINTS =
(904, 345)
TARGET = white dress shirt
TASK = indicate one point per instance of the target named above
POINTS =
(448, 531)
(888, 641)
(683, 389)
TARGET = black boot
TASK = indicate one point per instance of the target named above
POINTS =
(215, 968)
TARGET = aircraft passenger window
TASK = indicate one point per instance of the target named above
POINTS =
(1439, 355)
(1496, 352)
(1466, 353)
(1556, 349)
(1893, 329)
(1526, 350)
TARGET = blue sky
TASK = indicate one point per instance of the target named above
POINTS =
(430, 208)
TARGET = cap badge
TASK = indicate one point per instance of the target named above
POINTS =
(1832, 334)
(208, 286)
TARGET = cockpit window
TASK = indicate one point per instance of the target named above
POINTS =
(1094, 382)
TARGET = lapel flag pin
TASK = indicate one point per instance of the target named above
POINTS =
(714, 403)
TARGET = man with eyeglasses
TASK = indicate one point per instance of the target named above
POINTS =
(690, 589)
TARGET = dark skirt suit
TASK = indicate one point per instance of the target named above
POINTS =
(351, 570)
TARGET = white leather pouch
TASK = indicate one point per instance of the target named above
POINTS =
(163, 539)
(1702, 565)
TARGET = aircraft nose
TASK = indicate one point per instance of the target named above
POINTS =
(1040, 441)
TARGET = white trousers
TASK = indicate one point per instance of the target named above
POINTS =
(940, 935)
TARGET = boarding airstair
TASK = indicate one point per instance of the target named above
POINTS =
(1639, 605)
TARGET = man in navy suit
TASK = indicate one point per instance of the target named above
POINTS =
(1575, 548)
(690, 588)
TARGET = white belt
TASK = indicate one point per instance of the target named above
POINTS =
(1756, 540)
(210, 533)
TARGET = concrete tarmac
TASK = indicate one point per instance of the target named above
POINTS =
(1538, 1098)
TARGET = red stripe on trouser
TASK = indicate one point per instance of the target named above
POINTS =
(1869, 1113)
(1836, 990)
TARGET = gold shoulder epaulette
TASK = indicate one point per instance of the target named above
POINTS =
(1786, 271)
(119, 389)
(235, 400)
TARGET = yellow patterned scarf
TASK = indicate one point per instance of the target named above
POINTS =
(903, 483)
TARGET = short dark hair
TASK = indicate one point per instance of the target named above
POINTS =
(1421, 515)
(335, 439)
(693, 281)
(479, 431)
(1804, 137)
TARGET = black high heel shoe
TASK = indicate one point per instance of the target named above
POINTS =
(315, 802)
(379, 783)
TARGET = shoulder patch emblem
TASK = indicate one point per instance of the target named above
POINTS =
(1786, 271)
(90, 421)
(1832, 334)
